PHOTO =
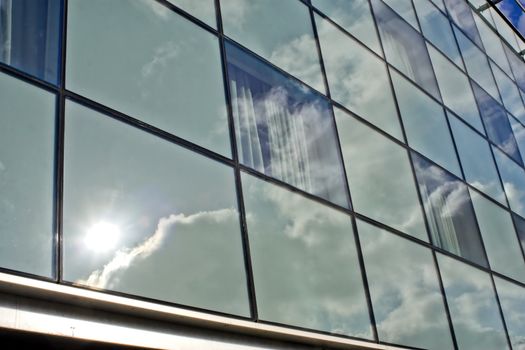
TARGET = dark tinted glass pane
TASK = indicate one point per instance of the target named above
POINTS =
(462, 15)
(404, 287)
(30, 36)
(449, 211)
(305, 263)
(146, 217)
(496, 123)
(283, 128)
(405, 48)
(27, 132)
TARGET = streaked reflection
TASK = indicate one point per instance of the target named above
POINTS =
(379, 175)
(164, 227)
(473, 307)
(407, 301)
(349, 67)
(279, 31)
(284, 129)
(304, 260)
(512, 299)
(449, 211)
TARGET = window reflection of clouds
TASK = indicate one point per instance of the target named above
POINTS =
(509, 93)
(170, 216)
(202, 9)
(513, 178)
(304, 261)
(407, 301)
(512, 299)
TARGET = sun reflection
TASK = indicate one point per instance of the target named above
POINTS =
(102, 236)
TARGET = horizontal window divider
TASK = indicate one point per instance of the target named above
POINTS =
(28, 78)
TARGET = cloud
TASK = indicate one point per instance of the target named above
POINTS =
(162, 56)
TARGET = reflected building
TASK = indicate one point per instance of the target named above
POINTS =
(262, 174)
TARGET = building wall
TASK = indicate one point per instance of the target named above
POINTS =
(334, 173)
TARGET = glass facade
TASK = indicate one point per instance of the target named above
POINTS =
(350, 168)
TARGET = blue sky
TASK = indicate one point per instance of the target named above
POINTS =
(514, 13)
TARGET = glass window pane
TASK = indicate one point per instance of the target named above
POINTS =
(283, 128)
(461, 15)
(476, 159)
(513, 177)
(405, 292)
(305, 265)
(509, 93)
(202, 9)
(425, 124)
(405, 48)
(518, 67)
(473, 306)
(349, 67)
(512, 300)
(355, 17)
(27, 133)
(279, 31)
(30, 37)
(165, 71)
(492, 44)
(519, 133)
(139, 211)
(455, 89)
(381, 181)
(501, 243)
(477, 64)
(497, 123)
(436, 28)
(519, 223)
(449, 211)
(404, 9)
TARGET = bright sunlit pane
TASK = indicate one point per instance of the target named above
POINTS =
(102, 236)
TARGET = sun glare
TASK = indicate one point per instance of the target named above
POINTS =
(102, 236)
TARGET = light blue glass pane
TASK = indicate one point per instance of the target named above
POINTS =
(355, 16)
(404, 9)
(436, 28)
(279, 31)
(476, 159)
(493, 45)
(405, 48)
(509, 93)
(380, 178)
(404, 287)
(455, 89)
(473, 307)
(147, 217)
(501, 242)
(425, 124)
(283, 128)
(349, 67)
(202, 9)
(304, 259)
(512, 299)
(27, 133)
(518, 67)
(513, 177)
(166, 71)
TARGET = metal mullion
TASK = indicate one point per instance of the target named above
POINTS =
(500, 309)
(187, 16)
(250, 280)
(27, 78)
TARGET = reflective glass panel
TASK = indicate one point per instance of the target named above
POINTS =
(404, 9)
(497, 123)
(146, 217)
(425, 124)
(436, 28)
(512, 300)
(449, 211)
(27, 133)
(492, 44)
(519, 223)
(455, 89)
(165, 71)
(473, 306)
(461, 15)
(519, 133)
(355, 16)
(404, 287)
(477, 64)
(476, 159)
(30, 36)
(509, 93)
(513, 177)
(499, 237)
(349, 68)
(518, 67)
(279, 31)
(284, 129)
(202, 9)
(405, 48)
(380, 178)
(304, 260)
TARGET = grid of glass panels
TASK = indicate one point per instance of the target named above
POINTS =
(354, 168)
